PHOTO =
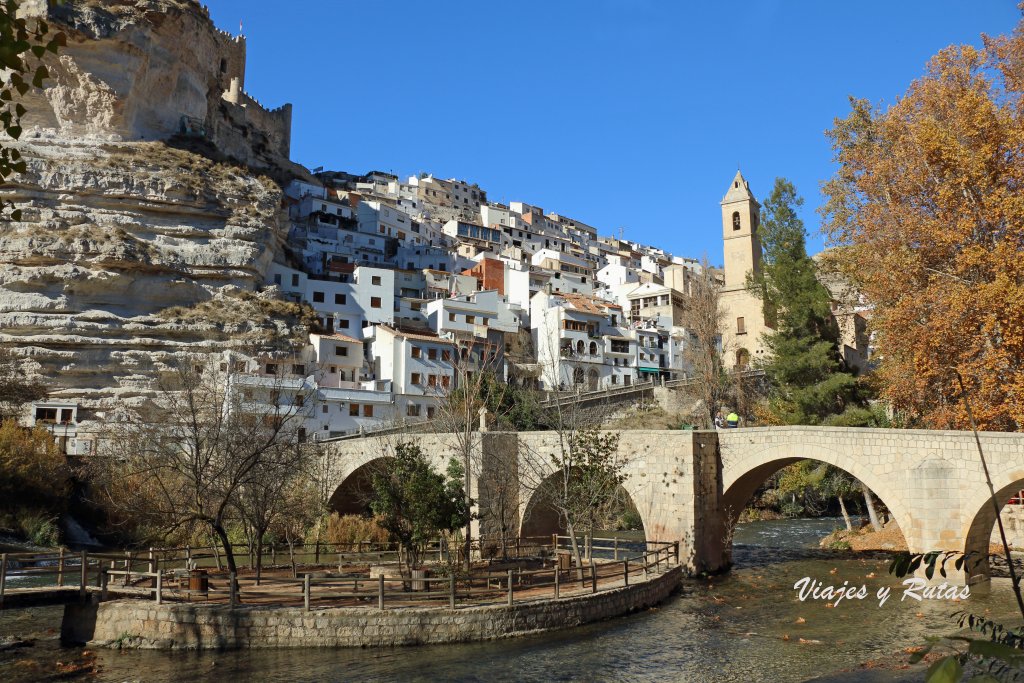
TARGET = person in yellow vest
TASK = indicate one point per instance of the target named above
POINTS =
(732, 421)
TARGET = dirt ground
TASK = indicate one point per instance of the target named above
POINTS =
(866, 538)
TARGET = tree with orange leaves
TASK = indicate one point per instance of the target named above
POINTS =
(927, 209)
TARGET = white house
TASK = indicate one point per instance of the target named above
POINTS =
(580, 342)
(417, 364)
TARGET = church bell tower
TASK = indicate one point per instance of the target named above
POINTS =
(740, 219)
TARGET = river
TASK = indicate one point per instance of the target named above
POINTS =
(730, 628)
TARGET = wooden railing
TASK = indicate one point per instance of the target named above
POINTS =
(171, 574)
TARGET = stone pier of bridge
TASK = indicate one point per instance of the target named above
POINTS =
(690, 486)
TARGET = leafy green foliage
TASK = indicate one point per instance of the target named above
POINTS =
(514, 408)
(23, 45)
(588, 478)
(40, 529)
(414, 503)
(591, 476)
(807, 380)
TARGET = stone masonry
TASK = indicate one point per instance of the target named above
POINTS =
(144, 624)
(688, 485)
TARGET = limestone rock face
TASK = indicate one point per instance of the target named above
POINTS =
(129, 255)
(132, 252)
(147, 69)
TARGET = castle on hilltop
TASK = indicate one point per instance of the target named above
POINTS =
(131, 74)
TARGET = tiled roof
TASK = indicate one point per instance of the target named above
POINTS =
(589, 304)
(342, 337)
(417, 336)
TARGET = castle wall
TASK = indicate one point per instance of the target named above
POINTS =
(127, 74)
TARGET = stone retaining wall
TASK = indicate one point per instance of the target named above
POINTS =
(176, 626)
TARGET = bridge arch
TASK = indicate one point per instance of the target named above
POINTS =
(981, 521)
(541, 519)
(352, 495)
(744, 475)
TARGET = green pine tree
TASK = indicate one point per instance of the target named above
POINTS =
(808, 381)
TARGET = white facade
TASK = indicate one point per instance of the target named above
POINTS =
(418, 366)
(581, 343)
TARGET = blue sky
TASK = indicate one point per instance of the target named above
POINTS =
(620, 113)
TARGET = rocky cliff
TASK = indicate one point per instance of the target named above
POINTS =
(132, 251)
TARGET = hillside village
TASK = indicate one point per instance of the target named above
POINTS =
(413, 281)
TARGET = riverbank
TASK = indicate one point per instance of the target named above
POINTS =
(192, 626)
(731, 627)
(890, 538)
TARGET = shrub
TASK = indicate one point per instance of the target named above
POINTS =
(346, 529)
(40, 529)
(33, 472)
(630, 521)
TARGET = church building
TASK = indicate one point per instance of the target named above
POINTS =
(743, 320)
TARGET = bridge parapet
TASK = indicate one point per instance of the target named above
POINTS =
(685, 484)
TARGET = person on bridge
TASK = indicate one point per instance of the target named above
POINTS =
(719, 420)
(732, 421)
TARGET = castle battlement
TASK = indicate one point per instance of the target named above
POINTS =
(191, 69)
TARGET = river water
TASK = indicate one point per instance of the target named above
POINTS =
(737, 627)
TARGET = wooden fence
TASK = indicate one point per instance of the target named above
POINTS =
(175, 574)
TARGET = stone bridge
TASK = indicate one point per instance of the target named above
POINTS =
(689, 486)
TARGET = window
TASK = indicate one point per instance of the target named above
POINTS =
(343, 323)
(446, 355)
(451, 317)
(295, 279)
(415, 378)
(741, 327)
(412, 410)
(470, 319)
(46, 414)
(334, 369)
(341, 351)
(374, 302)
(375, 280)
(367, 411)
(430, 412)
(432, 380)
(445, 381)
(318, 297)
(271, 369)
(736, 220)
(416, 353)
(353, 409)
(298, 369)
(340, 299)
(432, 354)
(277, 279)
